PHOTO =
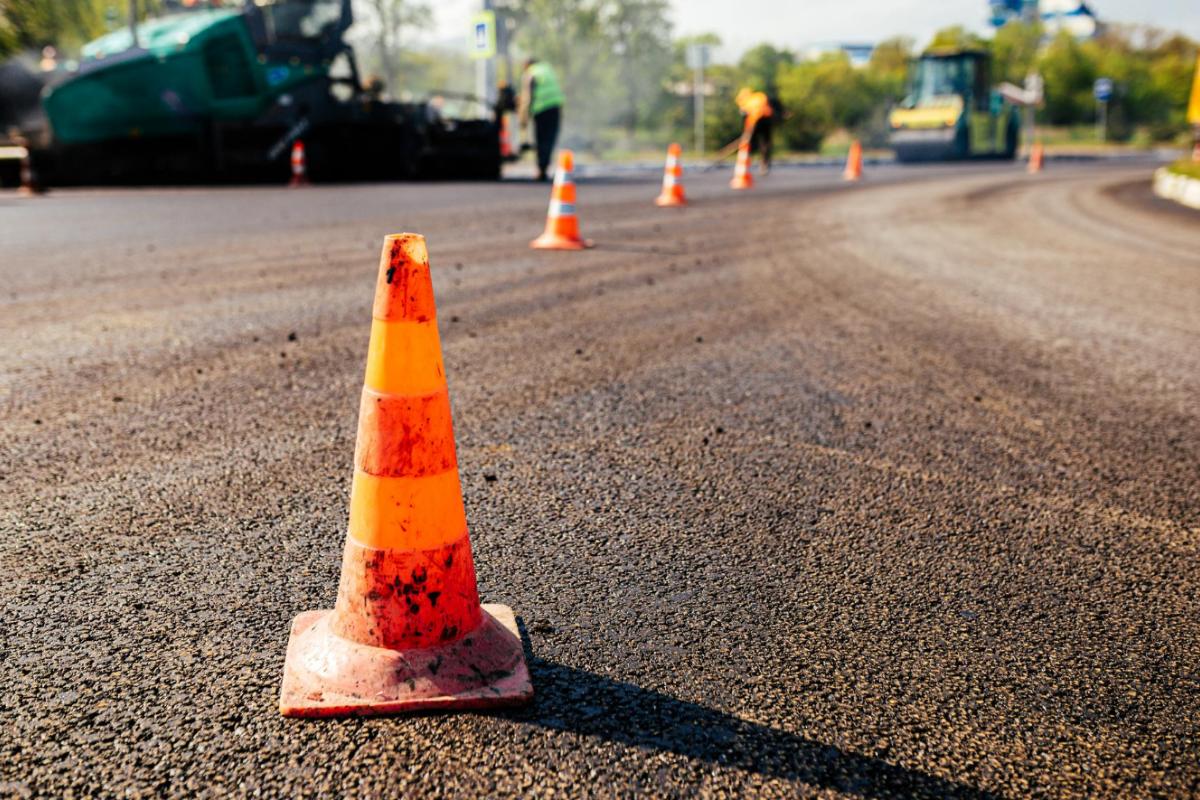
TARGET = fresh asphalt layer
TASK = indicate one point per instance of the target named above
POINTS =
(881, 490)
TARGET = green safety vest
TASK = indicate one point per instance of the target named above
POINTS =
(546, 91)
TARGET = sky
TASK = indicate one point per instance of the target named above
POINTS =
(798, 24)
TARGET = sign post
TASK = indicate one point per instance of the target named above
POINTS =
(697, 59)
(1102, 90)
(482, 47)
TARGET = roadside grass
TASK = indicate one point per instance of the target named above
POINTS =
(1186, 167)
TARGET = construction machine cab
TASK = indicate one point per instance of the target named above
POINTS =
(309, 30)
(951, 110)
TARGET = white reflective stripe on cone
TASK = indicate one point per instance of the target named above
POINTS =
(560, 209)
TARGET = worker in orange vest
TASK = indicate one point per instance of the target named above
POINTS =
(759, 115)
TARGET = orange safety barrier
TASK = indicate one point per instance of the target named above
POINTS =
(1036, 157)
(672, 186)
(854, 162)
(741, 171)
(408, 631)
(299, 165)
(562, 226)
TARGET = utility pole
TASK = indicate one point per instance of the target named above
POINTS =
(697, 55)
(133, 15)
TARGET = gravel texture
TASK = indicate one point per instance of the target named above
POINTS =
(883, 490)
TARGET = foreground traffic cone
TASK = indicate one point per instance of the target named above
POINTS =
(854, 164)
(30, 184)
(1036, 157)
(741, 171)
(562, 226)
(408, 631)
(672, 187)
(299, 165)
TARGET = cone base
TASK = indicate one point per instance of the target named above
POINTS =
(741, 186)
(667, 200)
(325, 675)
(552, 242)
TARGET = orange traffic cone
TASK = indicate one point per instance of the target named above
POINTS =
(506, 150)
(1036, 157)
(672, 187)
(741, 172)
(854, 164)
(299, 165)
(407, 631)
(30, 184)
(562, 226)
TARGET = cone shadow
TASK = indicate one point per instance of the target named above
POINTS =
(577, 701)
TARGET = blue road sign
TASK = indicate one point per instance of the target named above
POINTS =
(1102, 90)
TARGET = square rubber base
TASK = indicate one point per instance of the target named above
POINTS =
(325, 675)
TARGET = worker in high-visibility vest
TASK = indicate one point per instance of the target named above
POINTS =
(541, 101)
(759, 115)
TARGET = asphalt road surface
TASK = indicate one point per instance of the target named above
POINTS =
(880, 490)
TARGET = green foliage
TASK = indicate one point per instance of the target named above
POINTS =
(956, 37)
(388, 20)
(722, 120)
(66, 24)
(821, 95)
(1188, 168)
(641, 44)
(1069, 72)
(759, 67)
(1014, 52)
(612, 57)
(888, 68)
(1151, 81)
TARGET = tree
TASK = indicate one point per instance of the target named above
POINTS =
(822, 95)
(66, 24)
(887, 70)
(389, 19)
(1068, 73)
(1014, 51)
(957, 37)
(641, 43)
(760, 67)
(571, 37)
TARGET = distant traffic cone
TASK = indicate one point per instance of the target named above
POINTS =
(1036, 157)
(407, 631)
(562, 226)
(854, 163)
(30, 184)
(299, 165)
(672, 187)
(506, 150)
(741, 171)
